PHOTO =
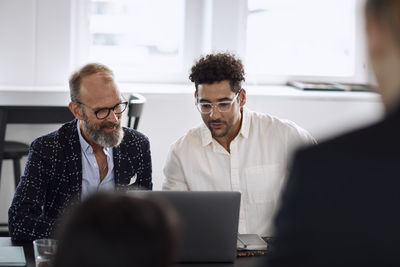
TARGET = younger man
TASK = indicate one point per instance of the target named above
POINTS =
(236, 149)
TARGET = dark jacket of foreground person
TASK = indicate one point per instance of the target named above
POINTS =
(341, 204)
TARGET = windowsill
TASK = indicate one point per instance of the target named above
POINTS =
(261, 90)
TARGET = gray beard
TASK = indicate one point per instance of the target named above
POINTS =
(101, 138)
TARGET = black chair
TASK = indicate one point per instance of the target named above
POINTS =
(4, 230)
(15, 151)
(135, 108)
(26, 115)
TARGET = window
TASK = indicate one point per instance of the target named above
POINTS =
(138, 39)
(308, 38)
(158, 40)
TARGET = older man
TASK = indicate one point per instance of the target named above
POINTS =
(235, 149)
(89, 154)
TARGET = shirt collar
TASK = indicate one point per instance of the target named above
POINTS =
(206, 137)
(245, 129)
(84, 144)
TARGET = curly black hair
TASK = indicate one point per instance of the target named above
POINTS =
(218, 67)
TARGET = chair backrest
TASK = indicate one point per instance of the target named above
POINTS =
(22, 114)
(135, 108)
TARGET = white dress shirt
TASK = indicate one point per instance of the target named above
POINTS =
(256, 165)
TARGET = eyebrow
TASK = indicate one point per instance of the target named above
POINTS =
(98, 108)
(218, 100)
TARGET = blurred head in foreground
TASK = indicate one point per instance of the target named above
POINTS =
(117, 230)
(383, 34)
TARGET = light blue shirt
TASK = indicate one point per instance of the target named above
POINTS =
(90, 170)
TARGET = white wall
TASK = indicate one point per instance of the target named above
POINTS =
(35, 42)
(17, 38)
(167, 117)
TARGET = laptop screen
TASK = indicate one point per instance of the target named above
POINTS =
(209, 223)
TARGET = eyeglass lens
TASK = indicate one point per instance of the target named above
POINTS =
(117, 109)
(223, 106)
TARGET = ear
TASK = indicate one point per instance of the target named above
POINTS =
(376, 35)
(242, 97)
(76, 110)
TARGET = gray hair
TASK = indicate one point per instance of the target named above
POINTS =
(87, 70)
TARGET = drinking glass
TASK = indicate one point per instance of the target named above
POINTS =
(45, 250)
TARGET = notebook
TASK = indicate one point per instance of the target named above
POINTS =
(12, 256)
(209, 220)
(251, 242)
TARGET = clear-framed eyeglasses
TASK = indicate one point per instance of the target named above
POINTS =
(103, 113)
(222, 106)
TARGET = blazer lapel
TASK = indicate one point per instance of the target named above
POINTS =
(72, 152)
(124, 174)
(119, 178)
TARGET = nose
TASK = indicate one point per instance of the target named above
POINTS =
(214, 112)
(113, 117)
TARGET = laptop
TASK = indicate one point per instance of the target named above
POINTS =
(209, 223)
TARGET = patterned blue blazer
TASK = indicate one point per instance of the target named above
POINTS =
(52, 180)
